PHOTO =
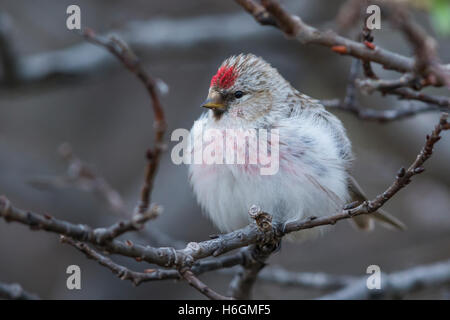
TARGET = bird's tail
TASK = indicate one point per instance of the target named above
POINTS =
(366, 222)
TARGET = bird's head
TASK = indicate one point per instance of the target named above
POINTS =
(245, 88)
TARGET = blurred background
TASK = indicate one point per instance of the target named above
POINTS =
(104, 112)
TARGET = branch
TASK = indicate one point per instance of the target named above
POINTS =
(242, 283)
(321, 281)
(15, 292)
(259, 232)
(132, 63)
(293, 27)
(121, 271)
(82, 59)
(200, 286)
(370, 85)
(397, 284)
(254, 257)
(383, 115)
(425, 47)
(137, 222)
(252, 234)
(402, 179)
(433, 74)
(258, 11)
(82, 176)
(137, 278)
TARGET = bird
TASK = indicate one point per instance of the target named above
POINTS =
(313, 177)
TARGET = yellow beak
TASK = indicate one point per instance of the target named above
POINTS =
(214, 101)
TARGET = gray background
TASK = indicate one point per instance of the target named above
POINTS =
(107, 120)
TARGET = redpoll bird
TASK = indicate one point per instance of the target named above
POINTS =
(313, 152)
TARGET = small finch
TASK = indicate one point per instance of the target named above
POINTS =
(313, 152)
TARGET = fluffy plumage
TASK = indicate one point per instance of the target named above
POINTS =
(314, 151)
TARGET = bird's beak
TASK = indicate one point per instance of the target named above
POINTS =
(215, 101)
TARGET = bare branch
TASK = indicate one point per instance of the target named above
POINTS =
(254, 257)
(371, 85)
(350, 92)
(403, 178)
(258, 11)
(252, 234)
(398, 284)
(242, 283)
(425, 47)
(406, 93)
(132, 63)
(83, 60)
(15, 292)
(82, 176)
(321, 281)
(137, 222)
(295, 28)
(383, 115)
(121, 271)
(137, 278)
(200, 286)
(260, 238)
(164, 256)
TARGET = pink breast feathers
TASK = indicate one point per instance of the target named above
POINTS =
(224, 78)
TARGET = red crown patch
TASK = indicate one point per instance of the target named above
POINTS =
(224, 78)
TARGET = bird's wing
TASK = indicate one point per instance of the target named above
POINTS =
(365, 222)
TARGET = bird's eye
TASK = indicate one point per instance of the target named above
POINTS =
(238, 94)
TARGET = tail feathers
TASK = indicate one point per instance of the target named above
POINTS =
(366, 221)
(388, 220)
(363, 222)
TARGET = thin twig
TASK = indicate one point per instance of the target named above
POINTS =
(202, 287)
(371, 85)
(397, 284)
(15, 292)
(382, 115)
(132, 63)
(295, 28)
(137, 278)
(82, 176)
(318, 281)
(121, 271)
